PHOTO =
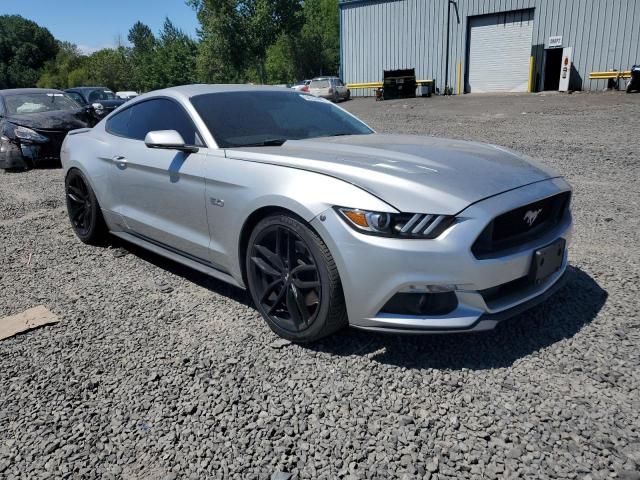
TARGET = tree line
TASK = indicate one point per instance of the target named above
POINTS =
(239, 41)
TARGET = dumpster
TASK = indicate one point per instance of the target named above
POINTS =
(399, 84)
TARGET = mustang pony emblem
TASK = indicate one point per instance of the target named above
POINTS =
(531, 216)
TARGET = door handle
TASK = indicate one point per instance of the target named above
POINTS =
(120, 161)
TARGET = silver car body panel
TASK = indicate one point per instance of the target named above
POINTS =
(193, 207)
(444, 176)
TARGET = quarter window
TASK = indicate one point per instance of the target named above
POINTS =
(118, 124)
(151, 115)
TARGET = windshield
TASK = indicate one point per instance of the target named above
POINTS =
(237, 119)
(38, 102)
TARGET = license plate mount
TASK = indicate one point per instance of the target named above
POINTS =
(547, 261)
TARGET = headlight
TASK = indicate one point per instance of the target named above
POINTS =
(24, 133)
(401, 225)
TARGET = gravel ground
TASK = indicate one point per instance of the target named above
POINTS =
(158, 372)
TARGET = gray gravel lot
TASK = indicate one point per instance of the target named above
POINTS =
(159, 372)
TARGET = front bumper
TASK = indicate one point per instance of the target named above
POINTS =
(373, 269)
(23, 154)
(11, 155)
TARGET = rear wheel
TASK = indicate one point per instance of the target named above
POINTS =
(293, 280)
(83, 209)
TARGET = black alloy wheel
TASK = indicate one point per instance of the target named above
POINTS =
(293, 280)
(83, 209)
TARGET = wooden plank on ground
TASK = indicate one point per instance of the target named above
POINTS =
(27, 320)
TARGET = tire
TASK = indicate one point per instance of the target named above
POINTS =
(348, 97)
(302, 303)
(84, 210)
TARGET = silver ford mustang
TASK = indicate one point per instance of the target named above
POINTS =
(326, 222)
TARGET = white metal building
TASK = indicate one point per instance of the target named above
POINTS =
(498, 46)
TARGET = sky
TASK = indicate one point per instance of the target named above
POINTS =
(96, 24)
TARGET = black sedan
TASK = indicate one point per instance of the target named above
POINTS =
(103, 100)
(33, 124)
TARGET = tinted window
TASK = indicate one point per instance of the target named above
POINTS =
(158, 114)
(252, 117)
(118, 124)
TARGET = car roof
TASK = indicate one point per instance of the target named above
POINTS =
(326, 78)
(186, 92)
(23, 91)
(88, 88)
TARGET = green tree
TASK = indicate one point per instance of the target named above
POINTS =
(57, 73)
(319, 47)
(109, 67)
(281, 62)
(143, 75)
(221, 52)
(236, 35)
(175, 57)
(24, 49)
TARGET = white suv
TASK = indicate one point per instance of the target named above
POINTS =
(331, 88)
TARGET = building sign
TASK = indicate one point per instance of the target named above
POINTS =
(555, 42)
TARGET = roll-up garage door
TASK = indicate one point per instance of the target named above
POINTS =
(499, 52)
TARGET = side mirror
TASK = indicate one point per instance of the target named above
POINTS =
(168, 140)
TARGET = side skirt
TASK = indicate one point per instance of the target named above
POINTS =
(179, 257)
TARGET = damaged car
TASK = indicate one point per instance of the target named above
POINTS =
(33, 124)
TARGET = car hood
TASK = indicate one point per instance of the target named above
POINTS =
(411, 173)
(58, 120)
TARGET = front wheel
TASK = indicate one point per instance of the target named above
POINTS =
(83, 209)
(294, 280)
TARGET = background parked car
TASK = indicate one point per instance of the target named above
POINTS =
(301, 86)
(103, 100)
(330, 88)
(127, 95)
(33, 124)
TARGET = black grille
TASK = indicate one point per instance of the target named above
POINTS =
(521, 225)
(51, 149)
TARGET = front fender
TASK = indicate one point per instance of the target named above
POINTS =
(236, 189)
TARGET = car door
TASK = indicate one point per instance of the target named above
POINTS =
(160, 193)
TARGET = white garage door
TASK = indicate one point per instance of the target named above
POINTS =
(499, 52)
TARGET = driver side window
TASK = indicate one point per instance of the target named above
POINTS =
(156, 114)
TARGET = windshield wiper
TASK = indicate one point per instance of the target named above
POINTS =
(272, 142)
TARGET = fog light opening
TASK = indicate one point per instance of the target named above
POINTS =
(421, 304)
